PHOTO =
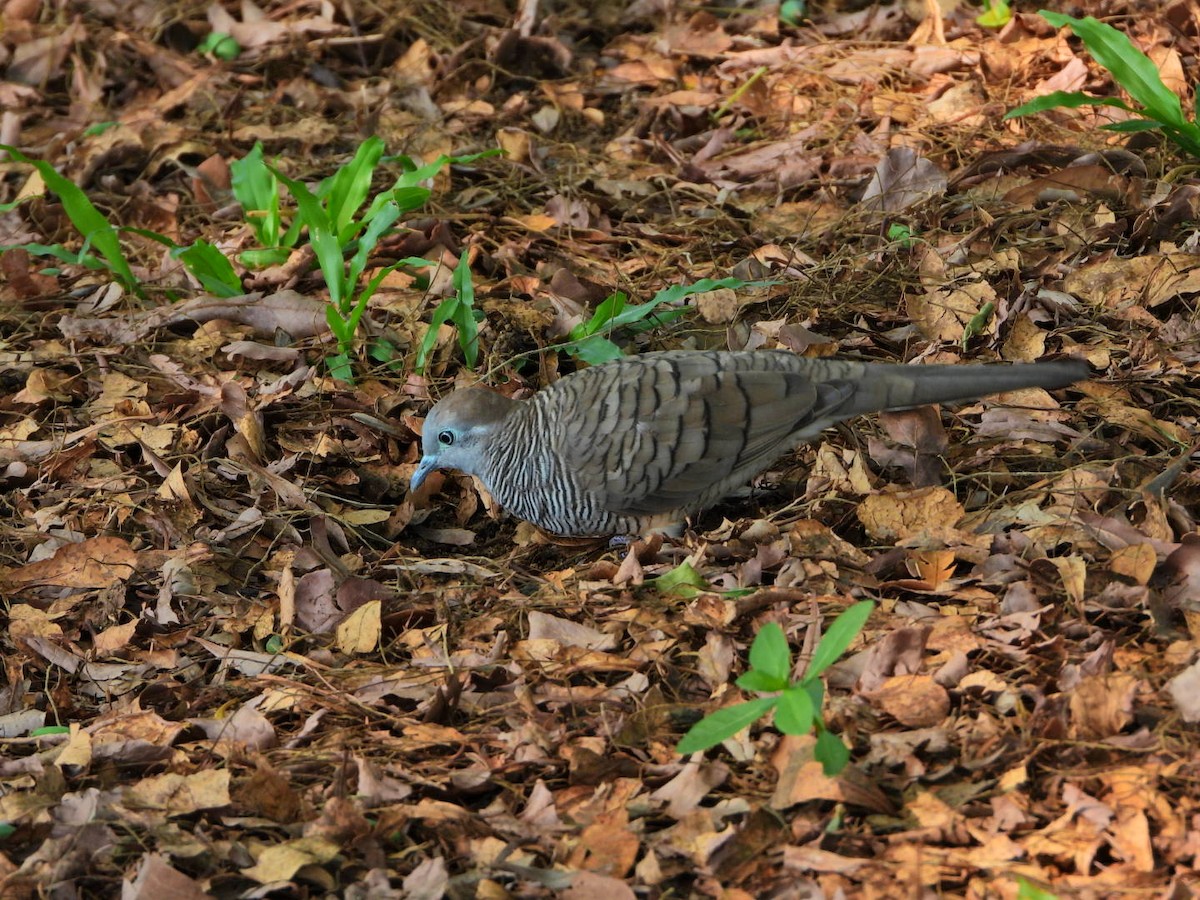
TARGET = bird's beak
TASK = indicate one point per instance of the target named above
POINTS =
(427, 465)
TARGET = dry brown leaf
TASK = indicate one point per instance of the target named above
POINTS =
(94, 563)
(924, 513)
(1102, 705)
(180, 795)
(801, 778)
(360, 632)
(915, 701)
(282, 861)
(157, 879)
(607, 846)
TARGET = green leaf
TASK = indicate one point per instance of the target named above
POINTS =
(901, 234)
(222, 46)
(50, 729)
(383, 351)
(760, 682)
(327, 248)
(346, 190)
(211, 268)
(682, 580)
(792, 11)
(673, 294)
(440, 316)
(206, 262)
(1063, 99)
(329, 253)
(977, 322)
(723, 724)
(610, 307)
(340, 326)
(594, 350)
(677, 292)
(735, 593)
(838, 637)
(260, 259)
(830, 752)
(1131, 68)
(308, 205)
(615, 312)
(464, 313)
(341, 368)
(770, 653)
(57, 251)
(996, 14)
(257, 190)
(1027, 890)
(816, 691)
(1187, 137)
(1135, 73)
(99, 128)
(365, 296)
(794, 712)
(412, 176)
(1132, 125)
(409, 198)
(88, 221)
(378, 227)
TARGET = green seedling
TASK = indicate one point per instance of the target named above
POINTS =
(995, 14)
(737, 94)
(1157, 106)
(346, 303)
(203, 260)
(99, 128)
(792, 12)
(460, 310)
(255, 184)
(978, 322)
(1027, 890)
(96, 230)
(588, 341)
(333, 214)
(796, 702)
(257, 189)
(222, 46)
(211, 268)
(206, 262)
(336, 222)
(901, 234)
(684, 581)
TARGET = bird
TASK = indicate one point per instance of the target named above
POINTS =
(634, 446)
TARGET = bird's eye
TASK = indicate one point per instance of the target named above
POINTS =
(446, 438)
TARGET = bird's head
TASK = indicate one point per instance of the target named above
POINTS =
(458, 431)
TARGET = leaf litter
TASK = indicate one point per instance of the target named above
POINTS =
(239, 660)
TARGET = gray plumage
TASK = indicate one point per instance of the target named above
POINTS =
(637, 444)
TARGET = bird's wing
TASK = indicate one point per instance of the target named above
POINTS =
(683, 431)
(673, 432)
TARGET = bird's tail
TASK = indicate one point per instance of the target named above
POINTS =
(885, 386)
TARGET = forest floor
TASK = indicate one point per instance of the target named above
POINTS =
(241, 661)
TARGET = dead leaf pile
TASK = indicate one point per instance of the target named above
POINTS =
(239, 660)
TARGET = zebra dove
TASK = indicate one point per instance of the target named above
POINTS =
(635, 445)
